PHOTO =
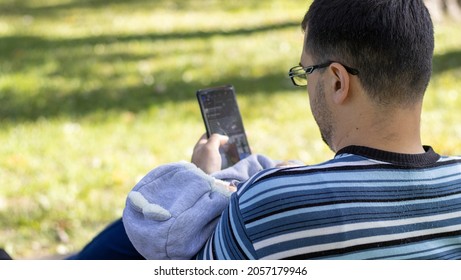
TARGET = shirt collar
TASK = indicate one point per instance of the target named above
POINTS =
(427, 158)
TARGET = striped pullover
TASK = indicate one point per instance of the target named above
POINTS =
(362, 204)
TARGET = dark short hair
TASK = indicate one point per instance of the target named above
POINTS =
(391, 43)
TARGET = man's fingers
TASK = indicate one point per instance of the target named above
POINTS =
(217, 140)
(206, 153)
(202, 140)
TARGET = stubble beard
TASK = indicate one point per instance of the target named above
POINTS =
(323, 116)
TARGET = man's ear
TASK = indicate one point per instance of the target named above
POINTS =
(340, 80)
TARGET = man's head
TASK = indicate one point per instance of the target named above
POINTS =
(368, 63)
(390, 42)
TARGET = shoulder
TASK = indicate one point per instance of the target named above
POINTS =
(288, 188)
(450, 159)
(450, 163)
(275, 178)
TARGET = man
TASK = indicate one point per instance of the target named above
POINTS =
(366, 65)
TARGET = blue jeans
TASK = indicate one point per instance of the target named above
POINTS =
(4, 255)
(110, 244)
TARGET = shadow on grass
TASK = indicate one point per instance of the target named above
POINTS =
(70, 60)
(17, 107)
(29, 53)
(45, 9)
(23, 7)
(446, 62)
(10, 44)
(132, 99)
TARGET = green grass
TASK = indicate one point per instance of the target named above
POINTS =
(94, 94)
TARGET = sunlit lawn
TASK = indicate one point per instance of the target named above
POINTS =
(93, 94)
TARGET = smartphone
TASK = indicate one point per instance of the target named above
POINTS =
(221, 115)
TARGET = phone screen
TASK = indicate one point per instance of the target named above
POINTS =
(221, 115)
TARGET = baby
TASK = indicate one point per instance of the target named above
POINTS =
(165, 222)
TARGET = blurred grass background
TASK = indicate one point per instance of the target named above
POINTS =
(94, 94)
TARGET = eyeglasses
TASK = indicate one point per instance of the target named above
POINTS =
(298, 74)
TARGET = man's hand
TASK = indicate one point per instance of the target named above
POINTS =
(206, 153)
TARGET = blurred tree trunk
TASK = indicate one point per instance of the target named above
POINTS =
(442, 9)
